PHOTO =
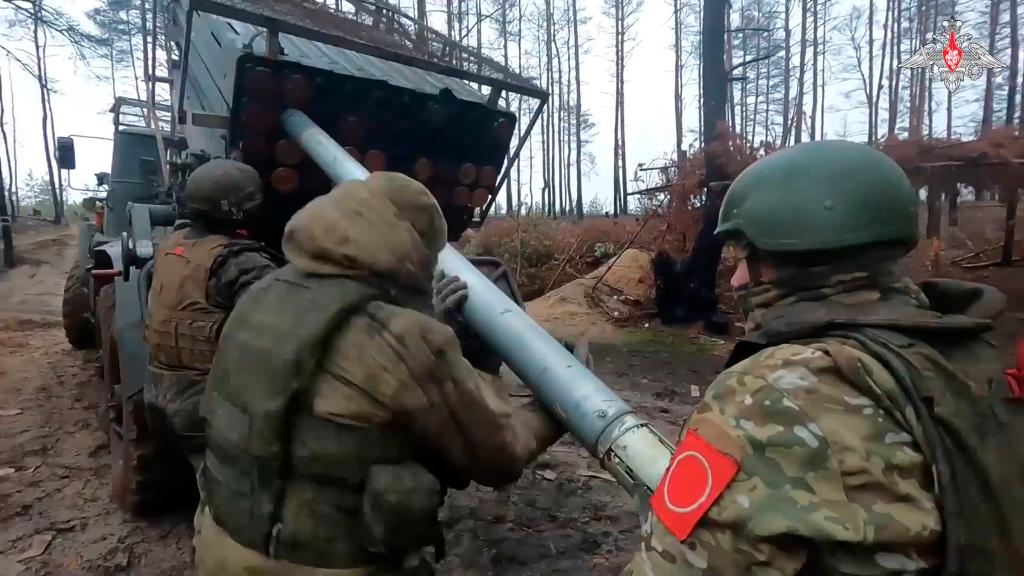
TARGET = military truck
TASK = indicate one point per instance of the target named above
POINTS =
(397, 94)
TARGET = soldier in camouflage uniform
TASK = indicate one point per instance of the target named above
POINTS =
(340, 409)
(862, 427)
(199, 272)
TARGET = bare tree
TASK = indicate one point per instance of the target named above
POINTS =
(987, 106)
(1011, 89)
(787, 71)
(814, 74)
(16, 184)
(50, 116)
(798, 131)
(37, 38)
(881, 72)
(871, 70)
(579, 112)
(9, 192)
(894, 70)
(677, 73)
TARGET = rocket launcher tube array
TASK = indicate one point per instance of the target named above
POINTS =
(629, 448)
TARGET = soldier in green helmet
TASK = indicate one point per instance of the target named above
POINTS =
(862, 426)
(199, 273)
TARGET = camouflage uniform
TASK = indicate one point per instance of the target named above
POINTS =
(199, 272)
(869, 428)
(196, 273)
(386, 412)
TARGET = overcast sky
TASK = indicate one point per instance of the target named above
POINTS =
(82, 101)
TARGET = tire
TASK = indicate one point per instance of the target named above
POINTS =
(149, 474)
(76, 309)
(108, 373)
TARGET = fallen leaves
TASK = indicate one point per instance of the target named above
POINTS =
(597, 474)
(9, 411)
(546, 474)
(40, 542)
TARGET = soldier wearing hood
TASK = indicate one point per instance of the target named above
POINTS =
(340, 409)
(863, 426)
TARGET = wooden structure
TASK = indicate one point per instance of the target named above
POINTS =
(993, 163)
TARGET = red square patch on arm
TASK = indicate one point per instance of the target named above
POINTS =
(697, 475)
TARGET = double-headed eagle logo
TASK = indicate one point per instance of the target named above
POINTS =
(945, 58)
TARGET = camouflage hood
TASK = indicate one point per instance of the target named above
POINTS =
(388, 229)
(791, 309)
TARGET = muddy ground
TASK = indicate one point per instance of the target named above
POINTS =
(564, 516)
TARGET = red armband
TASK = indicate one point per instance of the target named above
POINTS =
(697, 475)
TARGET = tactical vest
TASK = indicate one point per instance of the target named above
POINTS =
(283, 482)
(182, 327)
(949, 378)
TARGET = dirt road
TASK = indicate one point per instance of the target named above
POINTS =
(56, 515)
(565, 516)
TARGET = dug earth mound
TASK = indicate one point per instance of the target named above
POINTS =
(600, 302)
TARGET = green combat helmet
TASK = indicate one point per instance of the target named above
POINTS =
(821, 196)
(223, 191)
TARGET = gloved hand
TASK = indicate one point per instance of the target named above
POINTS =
(450, 293)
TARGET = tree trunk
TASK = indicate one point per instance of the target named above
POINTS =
(549, 176)
(624, 209)
(881, 67)
(58, 213)
(931, 111)
(504, 40)
(1012, 199)
(768, 92)
(993, 27)
(1011, 90)
(698, 277)
(450, 18)
(814, 74)
(145, 56)
(871, 70)
(894, 70)
(757, 86)
(113, 70)
(560, 132)
(730, 86)
(677, 73)
(787, 71)
(799, 122)
(7, 192)
(131, 49)
(921, 77)
(617, 186)
(579, 112)
(16, 185)
(519, 99)
(6, 236)
(700, 76)
(824, 53)
(50, 116)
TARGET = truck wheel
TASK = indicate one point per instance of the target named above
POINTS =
(149, 476)
(76, 310)
(108, 372)
(135, 470)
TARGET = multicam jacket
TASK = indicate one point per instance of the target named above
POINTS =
(840, 469)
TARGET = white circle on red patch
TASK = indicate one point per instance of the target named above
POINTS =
(693, 485)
